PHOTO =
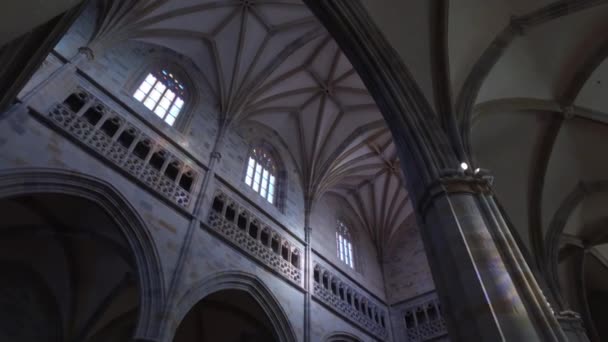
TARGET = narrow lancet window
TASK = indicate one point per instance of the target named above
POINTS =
(344, 244)
(163, 94)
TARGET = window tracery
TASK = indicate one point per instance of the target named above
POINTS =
(261, 174)
(163, 94)
(344, 244)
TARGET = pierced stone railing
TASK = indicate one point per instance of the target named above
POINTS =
(423, 319)
(332, 291)
(255, 238)
(117, 139)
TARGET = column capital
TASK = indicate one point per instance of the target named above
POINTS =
(456, 182)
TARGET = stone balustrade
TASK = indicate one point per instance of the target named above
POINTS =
(423, 319)
(255, 237)
(342, 297)
(118, 139)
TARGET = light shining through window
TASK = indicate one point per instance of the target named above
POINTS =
(261, 175)
(344, 244)
(162, 94)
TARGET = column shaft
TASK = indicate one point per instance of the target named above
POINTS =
(485, 285)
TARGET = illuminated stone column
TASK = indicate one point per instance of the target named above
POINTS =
(487, 289)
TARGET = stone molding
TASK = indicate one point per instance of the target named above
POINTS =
(344, 299)
(233, 280)
(424, 148)
(16, 182)
(255, 237)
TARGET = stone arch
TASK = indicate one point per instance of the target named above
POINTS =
(577, 251)
(341, 337)
(430, 157)
(424, 148)
(233, 280)
(30, 181)
(558, 224)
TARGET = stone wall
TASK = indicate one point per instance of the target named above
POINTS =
(31, 138)
(406, 270)
(47, 133)
(116, 69)
(368, 272)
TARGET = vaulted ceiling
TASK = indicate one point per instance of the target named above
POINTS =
(272, 62)
(526, 81)
(510, 71)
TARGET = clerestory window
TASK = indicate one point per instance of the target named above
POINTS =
(163, 94)
(344, 244)
(261, 174)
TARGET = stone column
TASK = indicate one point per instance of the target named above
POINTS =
(308, 271)
(195, 223)
(486, 288)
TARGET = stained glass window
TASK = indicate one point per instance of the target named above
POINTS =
(163, 94)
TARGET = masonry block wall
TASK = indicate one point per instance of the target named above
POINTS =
(329, 209)
(30, 139)
(407, 273)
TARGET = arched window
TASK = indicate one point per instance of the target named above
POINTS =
(163, 94)
(345, 246)
(261, 174)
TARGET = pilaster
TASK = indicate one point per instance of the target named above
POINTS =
(195, 222)
(308, 270)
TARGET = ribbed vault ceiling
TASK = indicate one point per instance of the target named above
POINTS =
(273, 63)
(526, 82)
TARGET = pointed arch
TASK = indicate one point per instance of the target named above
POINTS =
(30, 181)
(234, 280)
(341, 337)
(558, 224)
